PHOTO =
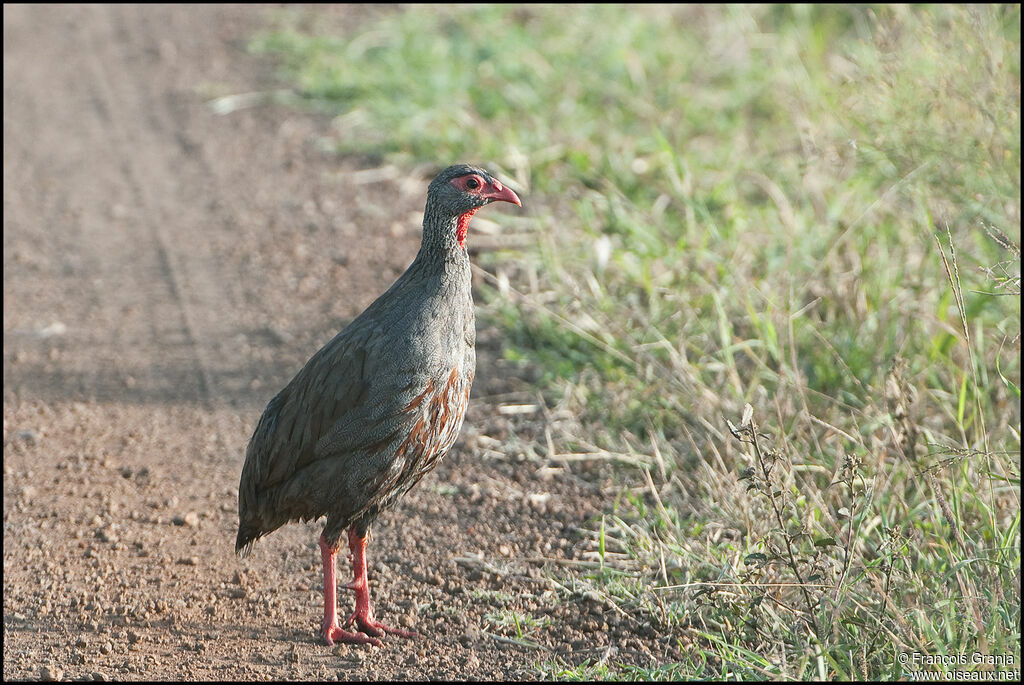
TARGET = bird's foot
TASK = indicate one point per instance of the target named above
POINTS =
(334, 633)
(370, 626)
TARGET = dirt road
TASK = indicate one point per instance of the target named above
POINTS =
(166, 270)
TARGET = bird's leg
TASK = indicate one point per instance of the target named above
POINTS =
(363, 615)
(330, 629)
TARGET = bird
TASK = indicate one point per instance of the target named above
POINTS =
(377, 407)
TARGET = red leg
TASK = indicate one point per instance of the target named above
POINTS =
(363, 615)
(330, 629)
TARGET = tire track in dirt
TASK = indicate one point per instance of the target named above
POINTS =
(107, 205)
(147, 170)
(162, 231)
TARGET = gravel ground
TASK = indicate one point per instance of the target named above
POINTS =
(166, 270)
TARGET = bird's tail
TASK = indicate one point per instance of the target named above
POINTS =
(247, 535)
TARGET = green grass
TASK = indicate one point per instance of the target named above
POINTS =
(814, 211)
(520, 625)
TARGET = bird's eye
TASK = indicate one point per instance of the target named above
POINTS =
(472, 184)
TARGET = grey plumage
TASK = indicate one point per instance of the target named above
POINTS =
(375, 409)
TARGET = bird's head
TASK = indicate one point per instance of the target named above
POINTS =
(459, 191)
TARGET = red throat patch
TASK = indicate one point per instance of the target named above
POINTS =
(462, 228)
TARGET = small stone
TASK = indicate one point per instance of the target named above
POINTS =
(28, 436)
(47, 673)
(191, 519)
(471, 635)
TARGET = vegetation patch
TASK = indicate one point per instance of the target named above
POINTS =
(774, 271)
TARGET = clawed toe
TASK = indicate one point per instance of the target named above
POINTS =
(333, 634)
(378, 629)
(407, 634)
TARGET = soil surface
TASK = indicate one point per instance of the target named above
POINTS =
(167, 268)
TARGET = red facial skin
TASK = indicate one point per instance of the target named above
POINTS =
(474, 184)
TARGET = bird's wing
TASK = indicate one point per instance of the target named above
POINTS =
(339, 406)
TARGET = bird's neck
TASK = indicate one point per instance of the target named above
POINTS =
(444, 239)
